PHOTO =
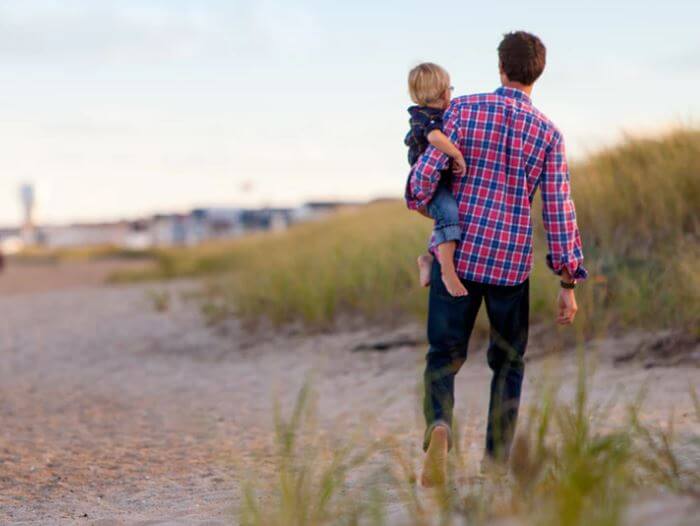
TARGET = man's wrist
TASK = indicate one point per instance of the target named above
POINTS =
(566, 277)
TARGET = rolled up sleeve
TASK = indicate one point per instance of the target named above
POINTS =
(559, 214)
(425, 174)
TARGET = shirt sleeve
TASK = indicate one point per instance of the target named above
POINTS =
(559, 214)
(425, 174)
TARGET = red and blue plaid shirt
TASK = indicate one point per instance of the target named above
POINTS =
(510, 149)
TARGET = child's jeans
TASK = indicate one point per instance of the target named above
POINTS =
(443, 209)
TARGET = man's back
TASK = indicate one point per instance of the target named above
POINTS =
(510, 149)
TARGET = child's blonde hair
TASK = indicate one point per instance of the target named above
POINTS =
(427, 83)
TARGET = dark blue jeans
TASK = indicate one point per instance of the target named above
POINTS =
(450, 323)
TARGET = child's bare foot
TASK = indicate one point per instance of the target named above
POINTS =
(435, 464)
(425, 262)
(453, 284)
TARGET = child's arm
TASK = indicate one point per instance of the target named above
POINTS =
(442, 143)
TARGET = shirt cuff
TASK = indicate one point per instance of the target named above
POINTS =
(412, 202)
(572, 265)
(417, 197)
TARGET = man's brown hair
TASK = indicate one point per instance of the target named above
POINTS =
(522, 57)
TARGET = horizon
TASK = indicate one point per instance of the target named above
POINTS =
(125, 109)
(188, 211)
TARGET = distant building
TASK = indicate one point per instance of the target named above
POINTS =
(267, 219)
(317, 209)
(28, 201)
(85, 234)
(10, 240)
(190, 228)
(217, 223)
(138, 236)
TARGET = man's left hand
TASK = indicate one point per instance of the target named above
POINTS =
(567, 307)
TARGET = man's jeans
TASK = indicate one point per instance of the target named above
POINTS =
(450, 323)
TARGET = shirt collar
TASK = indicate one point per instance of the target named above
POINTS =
(425, 109)
(513, 93)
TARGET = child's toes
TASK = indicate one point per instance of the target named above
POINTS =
(454, 286)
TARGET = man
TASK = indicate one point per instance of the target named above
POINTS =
(510, 149)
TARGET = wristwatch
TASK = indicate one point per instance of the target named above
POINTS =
(568, 285)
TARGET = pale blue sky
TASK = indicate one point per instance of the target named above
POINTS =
(120, 108)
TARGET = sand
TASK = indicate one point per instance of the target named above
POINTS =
(114, 413)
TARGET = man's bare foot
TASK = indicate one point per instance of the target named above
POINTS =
(425, 262)
(435, 464)
(453, 284)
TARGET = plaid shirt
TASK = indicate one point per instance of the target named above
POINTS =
(510, 149)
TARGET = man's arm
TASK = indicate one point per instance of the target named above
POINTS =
(425, 174)
(565, 256)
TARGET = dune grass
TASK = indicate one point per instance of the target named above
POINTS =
(637, 205)
(570, 465)
(39, 254)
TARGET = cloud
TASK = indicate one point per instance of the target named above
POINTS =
(148, 32)
(682, 62)
(285, 29)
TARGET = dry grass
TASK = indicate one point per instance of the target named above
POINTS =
(40, 254)
(637, 205)
(570, 466)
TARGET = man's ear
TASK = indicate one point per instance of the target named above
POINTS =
(502, 74)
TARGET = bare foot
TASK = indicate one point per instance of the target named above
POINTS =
(453, 284)
(435, 464)
(425, 262)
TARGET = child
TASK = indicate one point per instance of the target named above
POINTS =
(429, 86)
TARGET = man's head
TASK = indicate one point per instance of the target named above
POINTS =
(521, 57)
(429, 85)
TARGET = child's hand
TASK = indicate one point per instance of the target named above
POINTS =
(459, 166)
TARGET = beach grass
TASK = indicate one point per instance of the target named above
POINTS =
(637, 206)
(47, 255)
(569, 465)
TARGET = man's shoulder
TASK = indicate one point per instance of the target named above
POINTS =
(546, 122)
(491, 100)
(476, 99)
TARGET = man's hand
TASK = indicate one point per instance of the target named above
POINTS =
(567, 307)
(459, 166)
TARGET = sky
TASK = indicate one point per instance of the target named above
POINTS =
(116, 109)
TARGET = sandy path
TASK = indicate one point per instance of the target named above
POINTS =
(43, 276)
(113, 413)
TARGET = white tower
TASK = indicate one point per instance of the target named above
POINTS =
(28, 199)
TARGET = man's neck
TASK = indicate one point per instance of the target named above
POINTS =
(517, 85)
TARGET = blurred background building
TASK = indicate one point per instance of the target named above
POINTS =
(163, 229)
(28, 202)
